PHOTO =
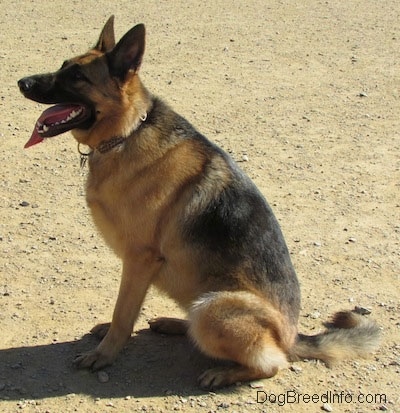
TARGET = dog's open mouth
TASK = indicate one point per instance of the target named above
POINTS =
(56, 120)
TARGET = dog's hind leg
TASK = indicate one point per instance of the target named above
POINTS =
(241, 327)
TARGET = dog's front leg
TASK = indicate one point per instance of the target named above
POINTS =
(137, 275)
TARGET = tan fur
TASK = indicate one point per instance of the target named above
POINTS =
(241, 327)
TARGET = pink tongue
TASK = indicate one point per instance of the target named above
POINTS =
(48, 118)
(34, 139)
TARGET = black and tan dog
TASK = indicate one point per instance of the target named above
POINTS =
(183, 217)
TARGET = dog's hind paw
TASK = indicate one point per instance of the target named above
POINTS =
(100, 330)
(215, 378)
(224, 376)
(166, 325)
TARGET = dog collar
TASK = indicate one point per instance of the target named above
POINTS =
(107, 145)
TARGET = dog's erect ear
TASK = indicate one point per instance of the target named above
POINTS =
(128, 53)
(106, 40)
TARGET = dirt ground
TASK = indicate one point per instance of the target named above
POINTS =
(305, 96)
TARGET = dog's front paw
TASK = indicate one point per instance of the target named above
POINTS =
(94, 360)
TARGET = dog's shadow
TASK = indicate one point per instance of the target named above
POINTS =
(150, 365)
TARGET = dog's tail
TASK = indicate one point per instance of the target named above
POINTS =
(349, 335)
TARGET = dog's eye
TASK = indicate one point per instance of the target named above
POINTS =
(76, 73)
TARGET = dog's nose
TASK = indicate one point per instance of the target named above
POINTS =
(26, 84)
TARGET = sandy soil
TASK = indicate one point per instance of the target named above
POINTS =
(305, 94)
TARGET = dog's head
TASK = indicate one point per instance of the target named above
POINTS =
(90, 91)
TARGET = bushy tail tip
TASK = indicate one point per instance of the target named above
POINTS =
(348, 335)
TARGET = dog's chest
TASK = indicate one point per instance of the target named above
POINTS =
(127, 207)
(118, 213)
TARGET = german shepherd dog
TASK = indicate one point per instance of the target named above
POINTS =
(182, 216)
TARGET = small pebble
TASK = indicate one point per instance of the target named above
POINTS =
(327, 407)
(362, 310)
(296, 369)
(224, 405)
(256, 385)
(315, 315)
(24, 203)
(103, 377)
(245, 158)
